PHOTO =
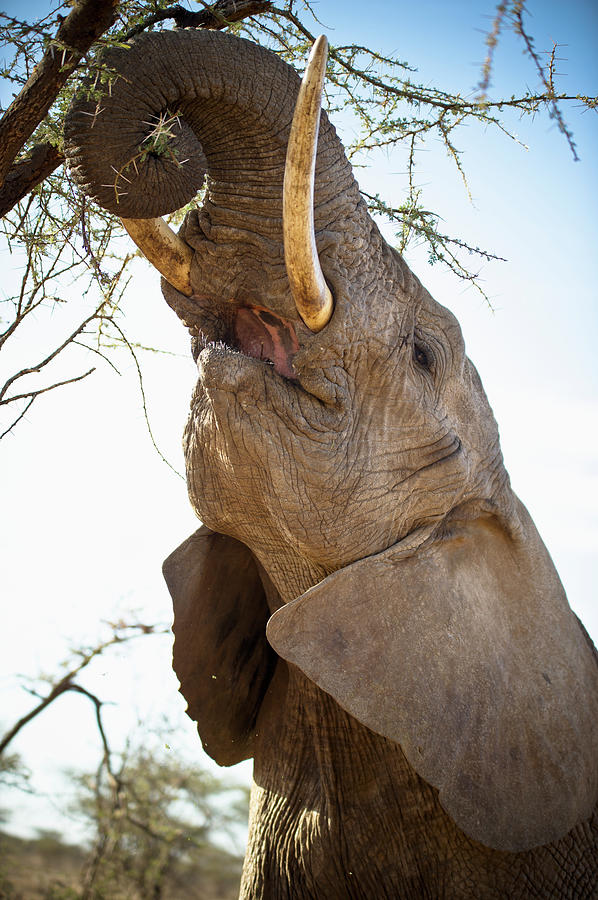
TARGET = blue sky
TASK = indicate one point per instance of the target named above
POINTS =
(90, 511)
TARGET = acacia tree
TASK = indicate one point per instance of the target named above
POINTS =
(153, 821)
(60, 237)
(152, 818)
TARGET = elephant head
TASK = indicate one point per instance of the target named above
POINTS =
(341, 451)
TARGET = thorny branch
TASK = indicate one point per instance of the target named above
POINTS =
(513, 11)
(33, 394)
(44, 362)
(546, 75)
(492, 43)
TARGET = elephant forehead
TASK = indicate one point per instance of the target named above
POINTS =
(432, 315)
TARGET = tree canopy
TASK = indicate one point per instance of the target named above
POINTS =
(62, 237)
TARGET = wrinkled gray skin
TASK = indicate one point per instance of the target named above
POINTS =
(385, 439)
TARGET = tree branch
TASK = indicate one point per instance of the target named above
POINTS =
(26, 173)
(35, 393)
(67, 683)
(21, 415)
(64, 685)
(552, 99)
(98, 707)
(88, 20)
(215, 17)
(97, 314)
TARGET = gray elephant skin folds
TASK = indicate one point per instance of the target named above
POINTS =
(367, 610)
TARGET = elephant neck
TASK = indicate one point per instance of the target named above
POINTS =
(286, 576)
(354, 798)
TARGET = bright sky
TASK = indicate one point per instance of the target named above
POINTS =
(90, 511)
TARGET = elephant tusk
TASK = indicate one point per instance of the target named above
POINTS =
(166, 251)
(309, 289)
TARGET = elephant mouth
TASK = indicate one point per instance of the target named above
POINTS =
(251, 331)
(261, 334)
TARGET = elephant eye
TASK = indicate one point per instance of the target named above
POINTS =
(422, 354)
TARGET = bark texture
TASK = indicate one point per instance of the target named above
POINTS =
(26, 173)
(88, 20)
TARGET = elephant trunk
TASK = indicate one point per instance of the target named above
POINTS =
(180, 105)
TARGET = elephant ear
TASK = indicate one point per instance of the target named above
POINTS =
(467, 654)
(221, 656)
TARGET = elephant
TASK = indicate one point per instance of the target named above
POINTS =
(367, 609)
